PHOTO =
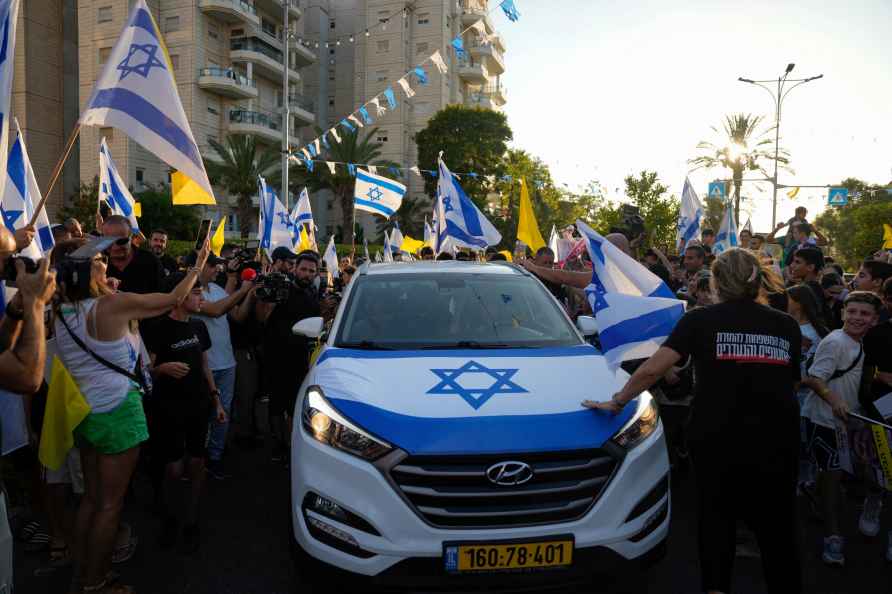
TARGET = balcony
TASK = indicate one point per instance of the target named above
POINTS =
(495, 62)
(265, 126)
(266, 59)
(497, 92)
(472, 72)
(499, 42)
(227, 82)
(303, 56)
(473, 11)
(482, 100)
(303, 109)
(230, 11)
(274, 7)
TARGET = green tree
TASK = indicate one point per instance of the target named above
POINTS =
(545, 198)
(82, 205)
(660, 213)
(243, 160)
(743, 148)
(472, 140)
(855, 230)
(158, 212)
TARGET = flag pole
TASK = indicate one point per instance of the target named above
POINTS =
(57, 172)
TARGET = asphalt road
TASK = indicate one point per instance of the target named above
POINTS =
(244, 547)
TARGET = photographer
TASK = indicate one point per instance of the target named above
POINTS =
(278, 303)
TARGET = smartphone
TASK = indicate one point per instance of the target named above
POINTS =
(203, 230)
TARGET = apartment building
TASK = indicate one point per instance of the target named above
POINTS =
(229, 63)
(355, 66)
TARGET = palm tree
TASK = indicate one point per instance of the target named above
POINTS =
(743, 149)
(352, 149)
(409, 217)
(243, 160)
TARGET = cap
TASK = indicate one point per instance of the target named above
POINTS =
(283, 253)
(213, 260)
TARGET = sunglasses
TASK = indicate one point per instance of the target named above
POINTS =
(122, 241)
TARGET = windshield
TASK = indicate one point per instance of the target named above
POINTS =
(418, 311)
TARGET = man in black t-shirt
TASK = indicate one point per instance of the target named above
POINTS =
(182, 397)
(138, 271)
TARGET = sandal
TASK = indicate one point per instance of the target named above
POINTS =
(124, 552)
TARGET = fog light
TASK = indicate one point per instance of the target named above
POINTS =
(332, 531)
(653, 522)
(327, 507)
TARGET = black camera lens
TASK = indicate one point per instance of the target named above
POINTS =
(10, 272)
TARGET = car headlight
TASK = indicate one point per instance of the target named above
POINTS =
(326, 425)
(642, 424)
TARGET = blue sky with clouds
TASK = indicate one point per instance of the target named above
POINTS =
(600, 89)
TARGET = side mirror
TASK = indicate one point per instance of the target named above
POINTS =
(309, 327)
(587, 325)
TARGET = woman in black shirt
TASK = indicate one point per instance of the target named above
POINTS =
(744, 428)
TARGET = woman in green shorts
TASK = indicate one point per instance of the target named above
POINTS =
(95, 327)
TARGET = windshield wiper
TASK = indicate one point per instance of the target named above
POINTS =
(367, 345)
(471, 344)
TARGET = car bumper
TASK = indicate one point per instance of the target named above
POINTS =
(394, 544)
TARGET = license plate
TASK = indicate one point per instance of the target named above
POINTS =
(556, 552)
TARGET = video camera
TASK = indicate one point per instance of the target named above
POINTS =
(633, 223)
(10, 272)
(243, 258)
(274, 287)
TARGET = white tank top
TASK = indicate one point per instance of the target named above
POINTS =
(103, 388)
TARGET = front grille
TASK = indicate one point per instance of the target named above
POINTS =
(454, 491)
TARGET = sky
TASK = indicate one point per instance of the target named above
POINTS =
(601, 89)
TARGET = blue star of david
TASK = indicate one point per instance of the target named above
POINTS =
(476, 397)
(150, 61)
(10, 217)
(283, 219)
(375, 194)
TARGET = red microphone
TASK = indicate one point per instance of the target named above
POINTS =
(249, 274)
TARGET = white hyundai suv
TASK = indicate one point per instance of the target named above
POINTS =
(439, 440)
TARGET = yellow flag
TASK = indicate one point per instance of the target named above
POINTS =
(794, 192)
(305, 243)
(411, 245)
(527, 228)
(507, 255)
(887, 237)
(219, 236)
(186, 191)
(137, 209)
(65, 409)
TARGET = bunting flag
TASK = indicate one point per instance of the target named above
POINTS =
(437, 59)
(324, 140)
(9, 16)
(527, 227)
(390, 97)
(364, 114)
(414, 169)
(394, 170)
(334, 134)
(219, 236)
(380, 110)
(351, 169)
(372, 169)
(112, 188)
(137, 94)
(20, 195)
(348, 126)
(314, 152)
(510, 10)
(316, 145)
(421, 74)
(459, 47)
(406, 88)
(355, 120)
(331, 167)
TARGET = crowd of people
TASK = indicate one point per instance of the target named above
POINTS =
(756, 385)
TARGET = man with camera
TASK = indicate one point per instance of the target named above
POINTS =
(277, 302)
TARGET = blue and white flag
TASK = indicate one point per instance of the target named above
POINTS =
(303, 212)
(330, 257)
(459, 222)
(276, 228)
(112, 188)
(20, 195)
(376, 194)
(635, 310)
(727, 235)
(689, 216)
(396, 239)
(428, 233)
(9, 12)
(137, 94)
(388, 254)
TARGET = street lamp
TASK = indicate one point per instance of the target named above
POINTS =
(778, 95)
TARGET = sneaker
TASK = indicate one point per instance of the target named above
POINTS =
(869, 522)
(216, 470)
(833, 551)
(190, 538)
(169, 531)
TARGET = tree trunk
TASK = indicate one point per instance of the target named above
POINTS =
(245, 215)
(738, 181)
(345, 193)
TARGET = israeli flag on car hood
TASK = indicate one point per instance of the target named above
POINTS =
(377, 194)
(137, 94)
(459, 223)
(635, 310)
(20, 195)
(112, 188)
(474, 401)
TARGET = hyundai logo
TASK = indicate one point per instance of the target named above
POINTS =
(509, 474)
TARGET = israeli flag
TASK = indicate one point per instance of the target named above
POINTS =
(727, 235)
(396, 239)
(635, 310)
(137, 94)
(689, 216)
(112, 188)
(276, 228)
(388, 254)
(303, 212)
(331, 258)
(428, 233)
(459, 222)
(376, 194)
(19, 197)
(9, 13)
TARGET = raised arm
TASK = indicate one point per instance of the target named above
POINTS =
(771, 238)
(580, 280)
(644, 377)
(216, 309)
(820, 238)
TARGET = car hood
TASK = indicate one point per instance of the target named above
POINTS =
(474, 401)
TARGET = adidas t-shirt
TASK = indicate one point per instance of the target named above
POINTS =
(172, 340)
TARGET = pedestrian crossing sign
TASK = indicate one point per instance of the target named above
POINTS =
(717, 190)
(838, 196)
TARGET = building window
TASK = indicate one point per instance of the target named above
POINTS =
(104, 53)
(237, 33)
(331, 74)
(421, 48)
(140, 175)
(175, 61)
(213, 31)
(104, 14)
(213, 110)
(171, 24)
(384, 46)
(383, 15)
(331, 101)
(382, 75)
(268, 27)
(381, 136)
(424, 18)
(107, 133)
(331, 51)
(331, 24)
